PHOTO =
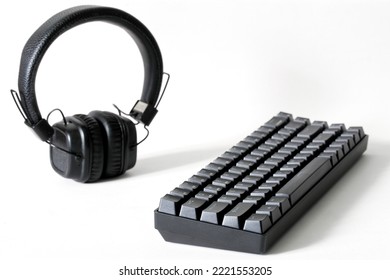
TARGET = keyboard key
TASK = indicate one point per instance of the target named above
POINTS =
(252, 140)
(192, 208)
(230, 176)
(191, 186)
(323, 138)
(269, 186)
(245, 186)
(259, 153)
(332, 156)
(222, 161)
(214, 213)
(271, 210)
(295, 125)
(343, 145)
(208, 174)
(258, 223)
(286, 174)
(267, 168)
(260, 136)
(236, 192)
(213, 189)
(215, 167)
(230, 156)
(305, 179)
(237, 150)
(282, 202)
(238, 170)
(337, 151)
(252, 158)
(224, 183)
(245, 164)
(197, 180)
(276, 122)
(252, 180)
(236, 217)
(230, 199)
(358, 130)
(244, 145)
(256, 200)
(260, 173)
(170, 204)
(261, 192)
(180, 192)
(311, 131)
(204, 195)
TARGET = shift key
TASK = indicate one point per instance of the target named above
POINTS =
(305, 179)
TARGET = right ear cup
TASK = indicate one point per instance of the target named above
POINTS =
(119, 140)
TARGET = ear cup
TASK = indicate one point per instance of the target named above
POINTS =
(120, 142)
(114, 139)
(97, 147)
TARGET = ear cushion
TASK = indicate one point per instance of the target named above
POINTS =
(97, 147)
(114, 138)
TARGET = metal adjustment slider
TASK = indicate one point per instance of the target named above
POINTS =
(143, 112)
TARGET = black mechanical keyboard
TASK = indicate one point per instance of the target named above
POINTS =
(249, 196)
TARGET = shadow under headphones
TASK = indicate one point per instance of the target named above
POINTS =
(101, 144)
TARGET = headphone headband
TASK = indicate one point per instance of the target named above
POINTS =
(41, 40)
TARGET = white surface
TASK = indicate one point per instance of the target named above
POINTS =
(234, 64)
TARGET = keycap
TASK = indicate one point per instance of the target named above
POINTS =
(258, 223)
(282, 202)
(230, 199)
(169, 204)
(192, 208)
(191, 186)
(208, 174)
(310, 131)
(180, 192)
(305, 179)
(214, 213)
(230, 176)
(271, 210)
(197, 180)
(276, 122)
(253, 199)
(213, 189)
(236, 192)
(235, 218)
(205, 196)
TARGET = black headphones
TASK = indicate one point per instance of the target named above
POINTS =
(101, 144)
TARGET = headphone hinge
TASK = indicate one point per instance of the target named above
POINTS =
(43, 130)
(143, 112)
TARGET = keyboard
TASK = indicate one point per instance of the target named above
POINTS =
(252, 194)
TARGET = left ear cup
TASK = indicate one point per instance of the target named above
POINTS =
(119, 139)
(77, 149)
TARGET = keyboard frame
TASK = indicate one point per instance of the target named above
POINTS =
(187, 231)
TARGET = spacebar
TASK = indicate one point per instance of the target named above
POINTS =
(305, 179)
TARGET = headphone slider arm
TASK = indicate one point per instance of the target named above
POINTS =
(43, 130)
(143, 112)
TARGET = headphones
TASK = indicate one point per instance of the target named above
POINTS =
(99, 145)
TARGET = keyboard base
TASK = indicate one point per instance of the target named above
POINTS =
(186, 231)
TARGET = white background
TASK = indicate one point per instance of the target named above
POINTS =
(233, 65)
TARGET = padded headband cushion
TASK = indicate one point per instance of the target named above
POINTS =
(40, 41)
